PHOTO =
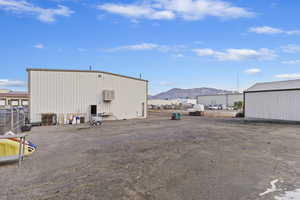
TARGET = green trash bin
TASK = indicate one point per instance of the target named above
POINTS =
(176, 116)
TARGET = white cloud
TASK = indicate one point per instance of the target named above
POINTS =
(274, 4)
(11, 83)
(155, 24)
(198, 9)
(139, 47)
(170, 9)
(134, 21)
(179, 55)
(291, 48)
(137, 11)
(206, 52)
(39, 46)
(267, 30)
(253, 71)
(238, 54)
(149, 47)
(47, 15)
(81, 49)
(293, 32)
(288, 76)
(291, 62)
(199, 42)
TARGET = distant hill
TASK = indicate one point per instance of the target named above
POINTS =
(188, 93)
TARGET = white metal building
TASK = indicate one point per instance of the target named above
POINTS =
(220, 99)
(187, 101)
(163, 102)
(273, 101)
(73, 92)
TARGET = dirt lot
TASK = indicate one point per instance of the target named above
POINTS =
(197, 158)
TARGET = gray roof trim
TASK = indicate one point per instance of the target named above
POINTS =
(275, 86)
(213, 95)
(92, 71)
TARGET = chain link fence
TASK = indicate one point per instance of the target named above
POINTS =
(13, 119)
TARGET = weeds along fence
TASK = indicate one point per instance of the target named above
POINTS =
(12, 119)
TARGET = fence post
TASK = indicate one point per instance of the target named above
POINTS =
(12, 118)
(17, 124)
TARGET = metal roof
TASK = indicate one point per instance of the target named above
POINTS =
(220, 94)
(65, 70)
(16, 94)
(276, 85)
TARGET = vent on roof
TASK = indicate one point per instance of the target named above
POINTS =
(108, 95)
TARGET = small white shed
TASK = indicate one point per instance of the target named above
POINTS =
(273, 101)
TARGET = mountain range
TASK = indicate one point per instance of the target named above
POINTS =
(189, 93)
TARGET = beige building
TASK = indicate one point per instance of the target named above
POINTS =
(8, 98)
(75, 92)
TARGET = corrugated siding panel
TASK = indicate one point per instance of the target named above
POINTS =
(212, 100)
(283, 105)
(219, 99)
(73, 92)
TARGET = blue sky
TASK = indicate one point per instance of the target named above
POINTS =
(172, 43)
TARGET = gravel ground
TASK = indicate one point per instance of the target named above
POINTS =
(197, 158)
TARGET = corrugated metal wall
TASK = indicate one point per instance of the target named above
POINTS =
(280, 105)
(219, 99)
(212, 100)
(62, 92)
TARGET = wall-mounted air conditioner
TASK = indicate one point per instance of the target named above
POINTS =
(108, 95)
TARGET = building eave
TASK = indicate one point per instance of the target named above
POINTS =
(90, 71)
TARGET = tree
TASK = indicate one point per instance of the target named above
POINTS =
(238, 105)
